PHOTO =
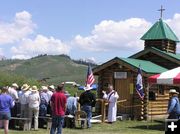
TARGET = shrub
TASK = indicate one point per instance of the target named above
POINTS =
(6, 79)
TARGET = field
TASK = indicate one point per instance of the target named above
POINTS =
(120, 127)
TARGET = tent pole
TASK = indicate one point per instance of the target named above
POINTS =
(147, 107)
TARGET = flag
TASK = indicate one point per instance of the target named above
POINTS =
(90, 77)
(139, 85)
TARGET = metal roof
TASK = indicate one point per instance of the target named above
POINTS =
(160, 30)
(146, 66)
(176, 56)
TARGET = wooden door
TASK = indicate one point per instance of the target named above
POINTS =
(122, 86)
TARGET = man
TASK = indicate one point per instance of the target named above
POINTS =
(58, 107)
(24, 100)
(14, 110)
(34, 102)
(111, 98)
(71, 105)
(44, 101)
(174, 105)
(87, 100)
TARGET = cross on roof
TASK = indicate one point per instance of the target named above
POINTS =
(161, 10)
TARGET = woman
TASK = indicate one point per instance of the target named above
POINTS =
(6, 103)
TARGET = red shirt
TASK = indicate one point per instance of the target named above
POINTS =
(58, 101)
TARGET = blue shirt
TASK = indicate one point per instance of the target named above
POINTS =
(6, 102)
(71, 105)
(174, 106)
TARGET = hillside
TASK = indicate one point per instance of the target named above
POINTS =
(49, 69)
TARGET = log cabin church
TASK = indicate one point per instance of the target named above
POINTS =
(159, 55)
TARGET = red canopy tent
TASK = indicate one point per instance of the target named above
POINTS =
(170, 77)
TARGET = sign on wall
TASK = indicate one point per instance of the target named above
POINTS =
(120, 75)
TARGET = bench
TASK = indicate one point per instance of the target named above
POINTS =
(47, 119)
(80, 116)
(24, 122)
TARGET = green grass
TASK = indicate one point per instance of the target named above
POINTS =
(120, 127)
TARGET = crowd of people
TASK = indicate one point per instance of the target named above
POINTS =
(30, 102)
(27, 102)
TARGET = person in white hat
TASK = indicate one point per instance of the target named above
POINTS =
(34, 102)
(24, 100)
(173, 105)
(44, 101)
(87, 100)
(13, 91)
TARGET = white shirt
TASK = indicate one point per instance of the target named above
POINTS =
(13, 93)
(50, 93)
(24, 97)
(34, 99)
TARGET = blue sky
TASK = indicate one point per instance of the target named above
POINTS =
(88, 29)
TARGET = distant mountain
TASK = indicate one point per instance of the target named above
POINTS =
(47, 68)
(2, 57)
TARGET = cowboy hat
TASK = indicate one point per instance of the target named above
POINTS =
(44, 88)
(15, 85)
(25, 87)
(34, 88)
(52, 87)
(88, 87)
(173, 91)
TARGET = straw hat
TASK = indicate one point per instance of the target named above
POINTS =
(25, 87)
(34, 88)
(88, 87)
(52, 87)
(173, 91)
(15, 85)
(44, 88)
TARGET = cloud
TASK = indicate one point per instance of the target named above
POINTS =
(174, 24)
(21, 27)
(111, 35)
(40, 45)
(1, 51)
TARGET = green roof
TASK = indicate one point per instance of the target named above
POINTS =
(160, 30)
(175, 56)
(146, 66)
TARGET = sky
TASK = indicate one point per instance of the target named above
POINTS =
(83, 29)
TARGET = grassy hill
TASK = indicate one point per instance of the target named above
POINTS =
(53, 69)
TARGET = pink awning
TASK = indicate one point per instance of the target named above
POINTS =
(169, 77)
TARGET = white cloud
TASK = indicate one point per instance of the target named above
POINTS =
(40, 45)
(1, 51)
(110, 35)
(174, 24)
(20, 28)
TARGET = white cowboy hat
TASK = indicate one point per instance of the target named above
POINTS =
(52, 87)
(88, 87)
(15, 85)
(173, 91)
(34, 88)
(44, 88)
(25, 87)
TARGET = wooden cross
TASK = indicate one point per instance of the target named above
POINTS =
(161, 10)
